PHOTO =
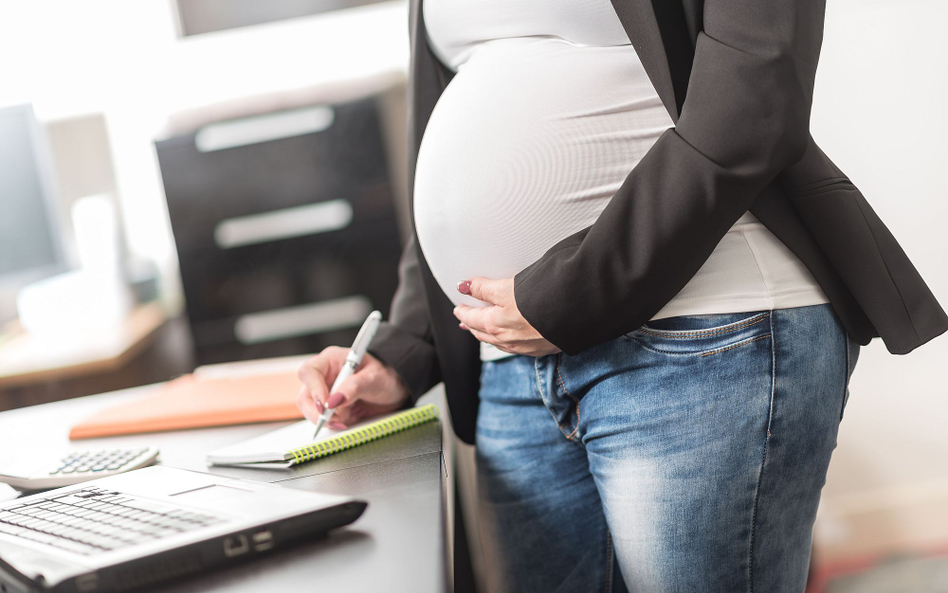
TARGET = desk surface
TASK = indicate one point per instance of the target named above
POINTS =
(399, 543)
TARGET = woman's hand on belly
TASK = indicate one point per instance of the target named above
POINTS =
(500, 323)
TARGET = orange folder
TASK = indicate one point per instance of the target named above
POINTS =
(191, 402)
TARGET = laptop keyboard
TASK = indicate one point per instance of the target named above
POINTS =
(94, 520)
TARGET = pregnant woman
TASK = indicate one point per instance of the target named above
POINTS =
(642, 283)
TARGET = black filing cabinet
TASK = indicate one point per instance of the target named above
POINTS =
(285, 229)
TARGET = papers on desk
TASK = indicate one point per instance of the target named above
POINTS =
(194, 401)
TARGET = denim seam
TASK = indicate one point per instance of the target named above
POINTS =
(536, 370)
(609, 561)
(737, 345)
(559, 378)
(536, 366)
(702, 333)
(763, 460)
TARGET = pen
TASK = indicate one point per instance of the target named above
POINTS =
(353, 359)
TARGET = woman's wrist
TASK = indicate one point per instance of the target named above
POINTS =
(399, 386)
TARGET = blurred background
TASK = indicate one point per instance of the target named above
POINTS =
(186, 182)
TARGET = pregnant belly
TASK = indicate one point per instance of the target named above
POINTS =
(526, 146)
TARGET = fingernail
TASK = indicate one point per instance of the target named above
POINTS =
(319, 406)
(462, 326)
(337, 426)
(335, 399)
(464, 287)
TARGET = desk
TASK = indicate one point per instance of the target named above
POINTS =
(24, 358)
(399, 544)
(147, 348)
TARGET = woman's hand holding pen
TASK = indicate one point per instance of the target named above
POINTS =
(373, 389)
(501, 323)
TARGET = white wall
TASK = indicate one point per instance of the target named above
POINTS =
(881, 113)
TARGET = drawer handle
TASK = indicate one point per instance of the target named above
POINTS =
(263, 128)
(302, 320)
(286, 223)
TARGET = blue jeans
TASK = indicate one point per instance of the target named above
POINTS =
(685, 456)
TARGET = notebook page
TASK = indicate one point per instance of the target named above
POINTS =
(275, 445)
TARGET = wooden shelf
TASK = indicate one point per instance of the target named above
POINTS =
(27, 359)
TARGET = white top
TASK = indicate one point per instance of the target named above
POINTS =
(548, 113)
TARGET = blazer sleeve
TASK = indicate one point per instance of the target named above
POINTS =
(745, 118)
(405, 342)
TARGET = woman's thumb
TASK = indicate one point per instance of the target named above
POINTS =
(347, 394)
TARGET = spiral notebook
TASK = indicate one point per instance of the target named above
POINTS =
(294, 444)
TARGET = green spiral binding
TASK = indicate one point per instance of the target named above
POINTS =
(369, 432)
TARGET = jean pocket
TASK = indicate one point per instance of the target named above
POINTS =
(852, 355)
(702, 335)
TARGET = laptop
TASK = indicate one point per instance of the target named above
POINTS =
(150, 525)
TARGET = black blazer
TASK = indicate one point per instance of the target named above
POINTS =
(737, 77)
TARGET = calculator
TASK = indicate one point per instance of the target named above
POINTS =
(55, 471)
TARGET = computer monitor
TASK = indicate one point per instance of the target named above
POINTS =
(30, 231)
